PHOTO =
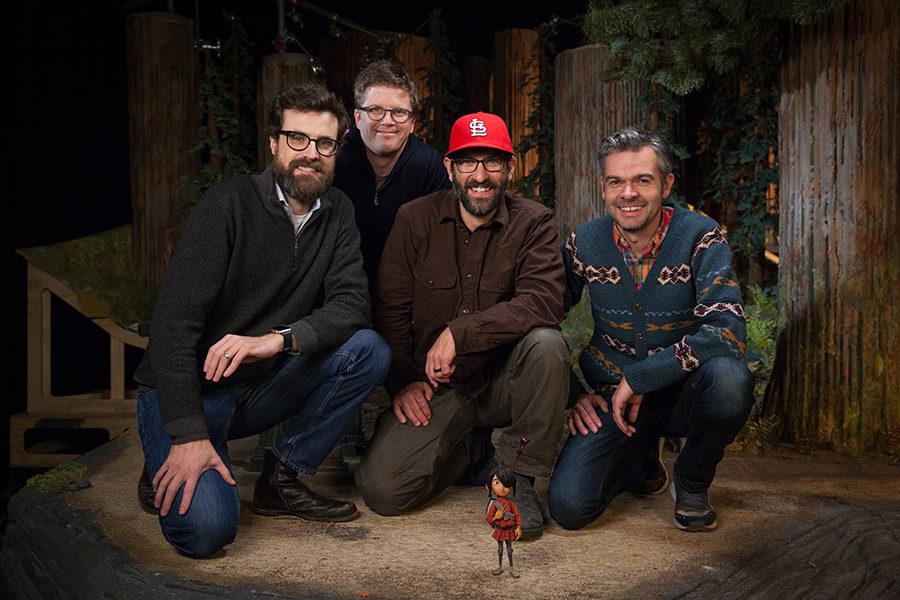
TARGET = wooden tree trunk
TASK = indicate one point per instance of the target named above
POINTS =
(587, 110)
(413, 54)
(476, 92)
(163, 80)
(343, 58)
(278, 72)
(515, 81)
(834, 384)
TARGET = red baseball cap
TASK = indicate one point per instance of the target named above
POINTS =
(479, 130)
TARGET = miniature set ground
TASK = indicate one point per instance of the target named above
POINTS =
(789, 527)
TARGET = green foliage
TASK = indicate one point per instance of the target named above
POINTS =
(100, 269)
(761, 315)
(578, 327)
(54, 481)
(678, 44)
(226, 105)
(442, 78)
(759, 433)
(739, 129)
(540, 183)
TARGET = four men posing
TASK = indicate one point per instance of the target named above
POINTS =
(261, 321)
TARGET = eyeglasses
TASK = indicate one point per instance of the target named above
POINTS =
(297, 140)
(376, 113)
(492, 164)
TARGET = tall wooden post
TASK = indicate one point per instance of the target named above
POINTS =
(835, 380)
(278, 72)
(515, 81)
(163, 80)
(476, 73)
(413, 54)
(587, 110)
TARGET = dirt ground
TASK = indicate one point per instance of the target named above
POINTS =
(782, 522)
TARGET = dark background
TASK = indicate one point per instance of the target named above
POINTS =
(68, 150)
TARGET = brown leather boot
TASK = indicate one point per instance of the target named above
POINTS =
(279, 492)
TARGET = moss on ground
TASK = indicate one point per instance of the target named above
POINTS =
(100, 269)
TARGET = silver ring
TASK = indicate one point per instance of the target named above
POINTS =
(225, 354)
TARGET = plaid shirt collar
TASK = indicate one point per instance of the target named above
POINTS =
(640, 265)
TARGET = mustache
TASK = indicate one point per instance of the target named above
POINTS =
(485, 184)
(305, 162)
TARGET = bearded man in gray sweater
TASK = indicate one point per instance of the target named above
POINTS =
(259, 323)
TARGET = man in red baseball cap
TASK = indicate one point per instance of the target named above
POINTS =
(469, 298)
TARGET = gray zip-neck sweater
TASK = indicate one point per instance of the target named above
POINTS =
(238, 268)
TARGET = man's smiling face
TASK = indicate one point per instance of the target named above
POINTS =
(634, 188)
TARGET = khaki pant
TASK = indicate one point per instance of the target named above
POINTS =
(406, 466)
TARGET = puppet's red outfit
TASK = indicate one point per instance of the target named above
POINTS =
(504, 529)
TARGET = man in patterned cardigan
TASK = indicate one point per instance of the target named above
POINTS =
(666, 354)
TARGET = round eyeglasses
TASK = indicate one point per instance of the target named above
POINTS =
(376, 113)
(492, 164)
(297, 140)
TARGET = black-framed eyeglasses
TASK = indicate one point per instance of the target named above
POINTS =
(376, 113)
(297, 140)
(492, 164)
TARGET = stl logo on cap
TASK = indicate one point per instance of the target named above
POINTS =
(479, 130)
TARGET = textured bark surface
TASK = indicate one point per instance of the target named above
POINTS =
(163, 79)
(415, 57)
(587, 110)
(834, 384)
(477, 72)
(515, 80)
(279, 71)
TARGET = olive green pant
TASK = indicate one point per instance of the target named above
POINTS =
(405, 466)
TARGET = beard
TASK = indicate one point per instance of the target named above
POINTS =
(303, 188)
(478, 207)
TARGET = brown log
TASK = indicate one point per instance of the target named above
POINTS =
(413, 54)
(476, 73)
(163, 80)
(515, 81)
(839, 155)
(343, 58)
(278, 72)
(587, 110)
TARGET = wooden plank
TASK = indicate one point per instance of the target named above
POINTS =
(43, 455)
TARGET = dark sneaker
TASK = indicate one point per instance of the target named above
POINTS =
(145, 493)
(653, 477)
(529, 508)
(692, 511)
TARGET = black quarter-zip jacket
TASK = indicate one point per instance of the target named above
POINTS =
(418, 171)
(239, 268)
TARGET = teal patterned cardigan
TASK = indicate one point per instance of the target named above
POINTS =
(687, 311)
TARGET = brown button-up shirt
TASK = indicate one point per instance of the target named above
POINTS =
(490, 286)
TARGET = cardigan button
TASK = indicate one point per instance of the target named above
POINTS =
(639, 336)
(637, 306)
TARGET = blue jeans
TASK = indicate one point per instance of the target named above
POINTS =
(313, 397)
(709, 407)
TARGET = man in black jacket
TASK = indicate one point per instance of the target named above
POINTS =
(383, 165)
(259, 322)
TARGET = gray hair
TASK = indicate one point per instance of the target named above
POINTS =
(633, 139)
(388, 74)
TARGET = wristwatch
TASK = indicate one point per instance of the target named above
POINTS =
(285, 332)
